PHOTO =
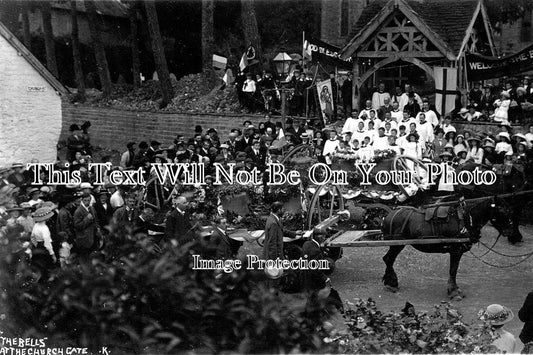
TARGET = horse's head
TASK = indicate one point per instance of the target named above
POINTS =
(498, 212)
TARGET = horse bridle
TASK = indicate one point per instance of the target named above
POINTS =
(475, 230)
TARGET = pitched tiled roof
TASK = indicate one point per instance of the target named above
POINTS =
(447, 18)
(113, 8)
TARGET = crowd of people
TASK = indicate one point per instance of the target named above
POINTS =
(484, 102)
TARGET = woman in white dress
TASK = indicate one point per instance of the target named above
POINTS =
(475, 152)
(412, 148)
(459, 144)
(501, 114)
(446, 186)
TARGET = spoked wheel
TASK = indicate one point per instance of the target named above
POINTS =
(302, 150)
(326, 202)
(419, 173)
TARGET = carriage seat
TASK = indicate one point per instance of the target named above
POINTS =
(437, 213)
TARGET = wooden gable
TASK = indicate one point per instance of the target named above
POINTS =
(398, 36)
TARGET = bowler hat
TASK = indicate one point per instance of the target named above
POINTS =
(74, 127)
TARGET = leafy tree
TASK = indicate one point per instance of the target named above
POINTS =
(505, 11)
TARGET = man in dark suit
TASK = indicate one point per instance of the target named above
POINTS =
(220, 246)
(103, 208)
(526, 315)
(246, 140)
(346, 91)
(178, 226)
(257, 154)
(125, 215)
(86, 227)
(273, 245)
(150, 154)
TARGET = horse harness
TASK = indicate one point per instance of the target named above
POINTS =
(435, 216)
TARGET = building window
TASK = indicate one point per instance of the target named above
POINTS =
(525, 30)
(345, 17)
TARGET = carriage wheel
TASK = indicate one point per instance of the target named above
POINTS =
(326, 202)
(374, 215)
(406, 163)
(293, 152)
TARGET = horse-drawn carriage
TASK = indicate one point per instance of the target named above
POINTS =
(393, 213)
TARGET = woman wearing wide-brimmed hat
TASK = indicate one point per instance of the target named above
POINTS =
(43, 255)
(497, 316)
(459, 144)
(504, 145)
(475, 152)
(489, 155)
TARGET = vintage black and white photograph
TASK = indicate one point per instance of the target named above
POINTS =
(266, 177)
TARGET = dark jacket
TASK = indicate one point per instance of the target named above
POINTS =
(220, 245)
(104, 215)
(85, 228)
(178, 227)
(273, 245)
(122, 216)
(65, 224)
(313, 279)
(525, 314)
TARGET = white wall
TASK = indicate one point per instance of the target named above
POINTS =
(30, 122)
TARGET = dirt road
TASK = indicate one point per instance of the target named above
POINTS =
(423, 277)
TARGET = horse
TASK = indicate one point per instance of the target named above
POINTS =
(510, 179)
(408, 222)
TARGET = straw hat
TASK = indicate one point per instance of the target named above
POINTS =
(273, 272)
(497, 314)
(43, 214)
(519, 135)
(446, 154)
(448, 145)
(489, 144)
(15, 208)
(17, 165)
(461, 150)
(477, 139)
(463, 111)
(504, 135)
(86, 185)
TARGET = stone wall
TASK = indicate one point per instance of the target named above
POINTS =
(114, 128)
(30, 111)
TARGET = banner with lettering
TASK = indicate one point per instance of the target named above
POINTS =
(321, 52)
(479, 67)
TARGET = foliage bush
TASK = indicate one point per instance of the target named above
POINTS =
(129, 298)
(440, 330)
